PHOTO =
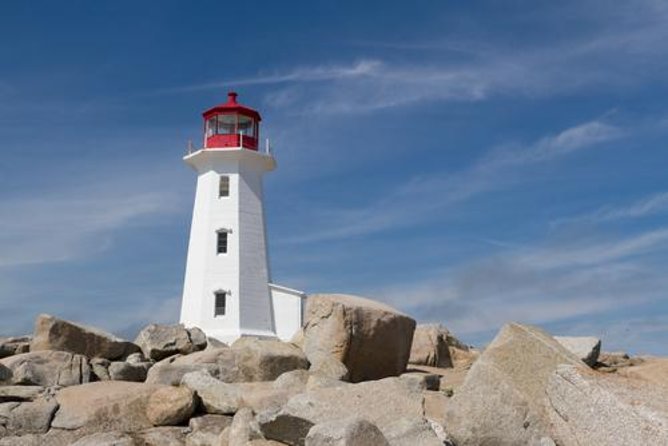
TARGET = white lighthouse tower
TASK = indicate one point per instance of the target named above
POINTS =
(227, 290)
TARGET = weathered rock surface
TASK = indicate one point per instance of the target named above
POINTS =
(105, 406)
(381, 343)
(216, 396)
(422, 381)
(243, 429)
(330, 367)
(411, 432)
(14, 345)
(100, 369)
(27, 417)
(54, 437)
(284, 428)
(436, 404)
(160, 341)
(45, 368)
(262, 395)
(20, 393)
(381, 402)
(170, 406)
(593, 408)
(218, 362)
(52, 333)
(126, 371)
(162, 436)
(586, 348)
(206, 429)
(652, 370)
(248, 360)
(266, 359)
(292, 381)
(346, 432)
(106, 439)
(503, 401)
(430, 346)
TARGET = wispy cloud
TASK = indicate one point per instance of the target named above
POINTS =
(647, 206)
(59, 225)
(547, 283)
(588, 59)
(420, 197)
(357, 69)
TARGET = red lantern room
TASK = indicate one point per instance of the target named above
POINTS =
(231, 125)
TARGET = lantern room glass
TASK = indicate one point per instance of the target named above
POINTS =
(231, 124)
(246, 126)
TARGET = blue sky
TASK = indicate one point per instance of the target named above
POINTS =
(470, 164)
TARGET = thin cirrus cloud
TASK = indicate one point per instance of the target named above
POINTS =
(64, 224)
(547, 283)
(301, 74)
(420, 197)
(586, 60)
(653, 204)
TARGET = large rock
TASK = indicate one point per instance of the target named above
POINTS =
(381, 402)
(14, 346)
(206, 429)
(284, 428)
(100, 369)
(20, 393)
(292, 381)
(52, 333)
(422, 381)
(346, 432)
(502, 401)
(602, 409)
(266, 359)
(411, 432)
(160, 341)
(262, 395)
(106, 406)
(330, 367)
(249, 360)
(125, 371)
(106, 439)
(170, 406)
(215, 361)
(586, 348)
(216, 396)
(430, 346)
(54, 437)
(45, 368)
(371, 339)
(27, 418)
(651, 369)
(162, 436)
(243, 429)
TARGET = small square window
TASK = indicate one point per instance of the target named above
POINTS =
(221, 301)
(224, 186)
(221, 245)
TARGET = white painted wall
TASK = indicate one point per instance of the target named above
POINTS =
(288, 306)
(243, 270)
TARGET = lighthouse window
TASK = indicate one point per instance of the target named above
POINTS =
(246, 126)
(221, 298)
(221, 246)
(227, 124)
(210, 127)
(224, 186)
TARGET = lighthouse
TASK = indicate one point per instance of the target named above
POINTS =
(227, 289)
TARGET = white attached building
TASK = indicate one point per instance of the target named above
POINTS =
(228, 291)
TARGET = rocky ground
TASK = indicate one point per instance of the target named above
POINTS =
(359, 373)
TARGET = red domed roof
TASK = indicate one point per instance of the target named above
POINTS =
(232, 106)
